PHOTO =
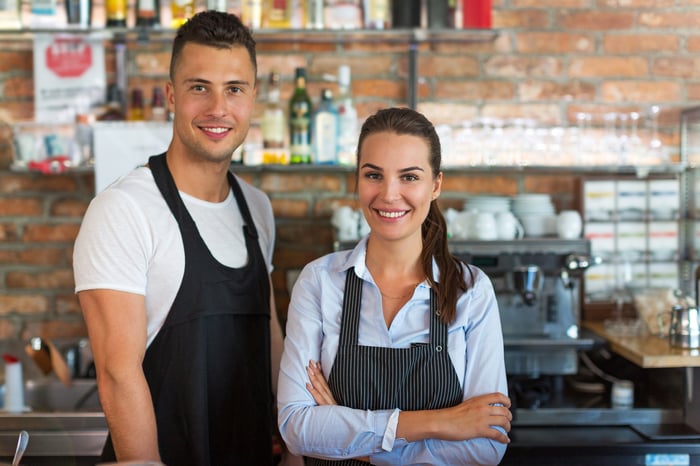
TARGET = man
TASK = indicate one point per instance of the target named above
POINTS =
(172, 270)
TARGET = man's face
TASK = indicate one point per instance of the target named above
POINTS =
(212, 95)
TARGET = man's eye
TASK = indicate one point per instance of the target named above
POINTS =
(198, 88)
(235, 90)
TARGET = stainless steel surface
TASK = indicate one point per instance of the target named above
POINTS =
(54, 434)
(537, 283)
(63, 421)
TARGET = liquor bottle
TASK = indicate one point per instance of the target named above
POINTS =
(314, 14)
(325, 130)
(376, 14)
(251, 13)
(116, 13)
(277, 14)
(148, 13)
(274, 124)
(137, 110)
(159, 110)
(347, 130)
(181, 11)
(300, 120)
(114, 110)
(217, 5)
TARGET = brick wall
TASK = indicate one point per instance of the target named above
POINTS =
(548, 60)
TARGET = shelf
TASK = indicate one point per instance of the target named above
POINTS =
(416, 35)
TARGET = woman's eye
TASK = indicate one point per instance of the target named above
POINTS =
(372, 175)
(410, 177)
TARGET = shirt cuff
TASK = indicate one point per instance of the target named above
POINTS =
(390, 431)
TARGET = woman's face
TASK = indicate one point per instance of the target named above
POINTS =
(395, 184)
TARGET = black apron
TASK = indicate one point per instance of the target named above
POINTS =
(209, 369)
(373, 378)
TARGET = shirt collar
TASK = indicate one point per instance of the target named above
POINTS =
(356, 258)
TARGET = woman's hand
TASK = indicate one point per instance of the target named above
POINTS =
(317, 385)
(472, 418)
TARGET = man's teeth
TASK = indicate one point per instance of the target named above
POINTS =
(216, 130)
(391, 214)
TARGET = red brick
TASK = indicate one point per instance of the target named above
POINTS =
(65, 232)
(640, 43)
(669, 20)
(291, 181)
(8, 232)
(380, 88)
(608, 66)
(478, 89)
(15, 61)
(479, 183)
(360, 66)
(33, 256)
(9, 329)
(522, 67)
(693, 44)
(637, 4)
(23, 304)
(554, 42)
(677, 67)
(596, 20)
(32, 182)
(57, 278)
(153, 63)
(447, 112)
(550, 3)
(67, 304)
(24, 207)
(640, 91)
(548, 90)
(291, 208)
(518, 19)
(52, 328)
(448, 66)
(545, 113)
(67, 207)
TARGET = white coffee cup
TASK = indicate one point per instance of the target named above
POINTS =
(508, 226)
(484, 226)
(14, 387)
(569, 224)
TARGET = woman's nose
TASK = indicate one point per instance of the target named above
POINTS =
(390, 190)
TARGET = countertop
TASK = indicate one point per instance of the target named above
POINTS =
(647, 351)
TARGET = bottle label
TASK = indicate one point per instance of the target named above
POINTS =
(325, 137)
(116, 9)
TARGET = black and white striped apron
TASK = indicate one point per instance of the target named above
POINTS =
(373, 378)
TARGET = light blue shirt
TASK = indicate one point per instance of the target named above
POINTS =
(475, 344)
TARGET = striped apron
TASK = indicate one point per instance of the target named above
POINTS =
(374, 378)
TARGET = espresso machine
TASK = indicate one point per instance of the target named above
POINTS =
(538, 289)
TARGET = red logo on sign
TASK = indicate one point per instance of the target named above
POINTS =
(68, 57)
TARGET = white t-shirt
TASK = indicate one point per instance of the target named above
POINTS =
(130, 241)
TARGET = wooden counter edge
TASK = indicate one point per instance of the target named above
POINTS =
(647, 351)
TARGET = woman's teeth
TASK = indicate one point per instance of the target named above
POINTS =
(391, 214)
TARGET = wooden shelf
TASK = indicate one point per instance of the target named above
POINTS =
(648, 351)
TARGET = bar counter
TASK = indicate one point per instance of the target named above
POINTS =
(647, 351)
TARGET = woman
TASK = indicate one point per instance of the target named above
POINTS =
(407, 336)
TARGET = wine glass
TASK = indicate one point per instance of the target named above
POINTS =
(622, 293)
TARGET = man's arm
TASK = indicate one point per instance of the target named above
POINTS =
(116, 323)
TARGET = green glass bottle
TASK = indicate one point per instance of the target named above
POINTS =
(300, 120)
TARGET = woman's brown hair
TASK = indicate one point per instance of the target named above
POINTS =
(434, 228)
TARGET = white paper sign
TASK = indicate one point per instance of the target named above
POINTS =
(119, 147)
(69, 74)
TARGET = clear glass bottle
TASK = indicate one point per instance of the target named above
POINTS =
(274, 124)
(325, 130)
(314, 14)
(300, 120)
(347, 118)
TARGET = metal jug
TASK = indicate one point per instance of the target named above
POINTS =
(684, 330)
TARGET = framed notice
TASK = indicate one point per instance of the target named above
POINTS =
(69, 75)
